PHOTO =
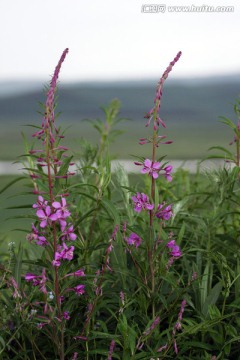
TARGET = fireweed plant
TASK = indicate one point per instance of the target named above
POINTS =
(113, 275)
(64, 299)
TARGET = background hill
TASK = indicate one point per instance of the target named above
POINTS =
(190, 108)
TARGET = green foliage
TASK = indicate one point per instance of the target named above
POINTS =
(139, 302)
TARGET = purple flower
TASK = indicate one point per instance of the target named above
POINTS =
(155, 322)
(61, 208)
(68, 234)
(175, 347)
(111, 349)
(175, 249)
(168, 170)
(79, 289)
(41, 203)
(38, 280)
(134, 239)
(57, 258)
(31, 277)
(151, 168)
(164, 212)
(75, 356)
(77, 273)
(33, 235)
(66, 315)
(182, 310)
(41, 241)
(67, 253)
(142, 202)
(45, 216)
(63, 253)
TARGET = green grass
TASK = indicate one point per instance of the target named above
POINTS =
(15, 196)
(189, 142)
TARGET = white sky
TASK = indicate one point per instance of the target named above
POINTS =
(114, 40)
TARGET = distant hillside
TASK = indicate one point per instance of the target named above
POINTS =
(190, 108)
(190, 101)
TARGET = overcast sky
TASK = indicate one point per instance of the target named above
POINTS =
(110, 40)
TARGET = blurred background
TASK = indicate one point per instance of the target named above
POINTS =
(120, 50)
(117, 49)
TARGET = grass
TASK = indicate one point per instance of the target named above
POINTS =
(196, 137)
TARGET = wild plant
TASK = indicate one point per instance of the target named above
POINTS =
(120, 271)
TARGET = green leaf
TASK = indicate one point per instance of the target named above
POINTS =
(217, 156)
(18, 265)
(82, 185)
(227, 122)
(64, 167)
(86, 215)
(12, 183)
(111, 210)
(222, 149)
(2, 342)
(20, 207)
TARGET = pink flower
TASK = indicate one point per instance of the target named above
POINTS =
(79, 289)
(175, 347)
(175, 249)
(61, 208)
(182, 310)
(42, 284)
(111, 349)
(38, 280)
(67, 253)
(63, 253)
(151, 168)
(155, 322)
(77, 273)
(41, 241)
(31, 277)
(41, 203)
(45, 216)
(66, 315)
(33, 235)
(164, 212)
(142, 202)
(134, 239)
(68, 234)
(168, 170)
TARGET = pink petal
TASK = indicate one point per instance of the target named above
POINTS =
(48, 210)
(53, 217)
(72, 236)
(148, 163)
(56, 205)
(64, 203)
(41, 214)
(157, 165)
